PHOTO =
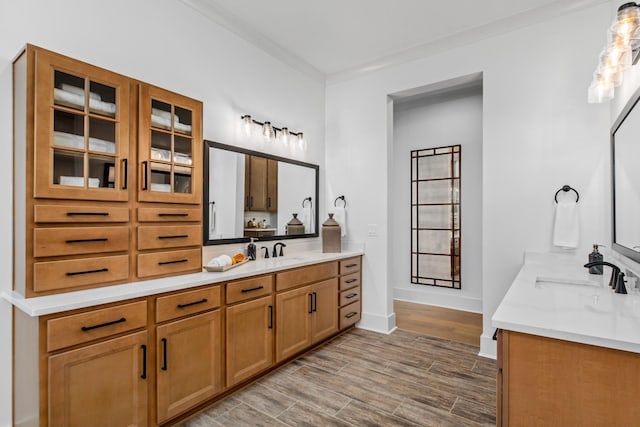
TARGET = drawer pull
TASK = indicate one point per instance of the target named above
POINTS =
(99, 239)
(177, 261)
(164, 354)
(350, 280)
(102, 325)
(178, 236)
(310, 303)
(87, 213)
(351, 265)
(125, 172)
(75, 273)
(353, 313)
(144, 362)
(257, 288)
(188, 304)
(173, 214)
(351, 296)
(270, 326)
(315, 302)
(145, 178)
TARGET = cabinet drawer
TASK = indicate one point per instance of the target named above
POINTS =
(53, 275)
(349, 281)
(349, 314)
(78, 214)
(242, 290)
(349, 296)
(79, 328)
(169, 214)
(159, 263)
(175, 236)
(300, 276)
(79, 240)
(350, 265)
(184, 303)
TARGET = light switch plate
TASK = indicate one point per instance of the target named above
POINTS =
(372, 230)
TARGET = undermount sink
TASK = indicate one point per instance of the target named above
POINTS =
(559, 283)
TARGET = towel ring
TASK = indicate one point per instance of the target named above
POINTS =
(308, 199)
(567, 188)
(335, 202)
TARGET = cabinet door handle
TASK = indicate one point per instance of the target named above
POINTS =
(76, 273)
(164, 354)
(353, 313)
(350, 280)
(177, 261)
(315, 302)
(310, 303)
(248, 205)
(268, 202)
(351, 296)
(144, 362)
(145, 171)
(350, 265)
(173, 214)
(99, 239)
(177, 236)
(87, 213)
(257, 288)
(270, 317)
(125, 172)
(188, 304)
(102, 325)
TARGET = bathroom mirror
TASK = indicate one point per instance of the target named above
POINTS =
(625, 152)
(252, 194)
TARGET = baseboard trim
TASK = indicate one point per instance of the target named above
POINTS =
(378, 323)
(488, 347)
(454, 302)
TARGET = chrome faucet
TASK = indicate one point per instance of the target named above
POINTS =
(617, 276)
(275, 251)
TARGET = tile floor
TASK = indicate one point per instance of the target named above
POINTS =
(364, 378)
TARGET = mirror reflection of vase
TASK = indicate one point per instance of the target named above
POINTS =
(295, 226)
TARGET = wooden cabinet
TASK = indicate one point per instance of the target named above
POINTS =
(540, 382)
(261, 184)
(350, 302)
(249, 339)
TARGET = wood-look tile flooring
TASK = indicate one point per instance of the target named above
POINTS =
(363, 378)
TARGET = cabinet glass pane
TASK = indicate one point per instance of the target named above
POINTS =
(182, 150)
(160, 114)
(68, 130)
(68, 90)
(160, 177)
(160, 146)
(68, 168)
(182, 179)
(182, 120)
(102, 136)
(102, 99)
(102, 171)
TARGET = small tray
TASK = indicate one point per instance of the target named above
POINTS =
(225, 268)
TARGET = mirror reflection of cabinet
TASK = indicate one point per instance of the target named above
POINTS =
(261, 184)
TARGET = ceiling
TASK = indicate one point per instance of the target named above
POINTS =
(332, 37)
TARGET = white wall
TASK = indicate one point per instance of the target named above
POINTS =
(295, 183)
(449, 118)
(168, 44)
(539, 133)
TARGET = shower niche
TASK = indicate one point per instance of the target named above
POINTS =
(435, 216)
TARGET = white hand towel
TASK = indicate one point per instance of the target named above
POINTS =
(340, 215)
(566, 230)
(307, 218)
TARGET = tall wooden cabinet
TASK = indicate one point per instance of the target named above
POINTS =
(261, 184)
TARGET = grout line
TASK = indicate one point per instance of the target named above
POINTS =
(399, 405)
(454, 404)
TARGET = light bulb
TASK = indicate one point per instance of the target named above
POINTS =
(627, 22)
(267, 131)
(302, 144)
(599, 91)
(247, 124)
(285, 136)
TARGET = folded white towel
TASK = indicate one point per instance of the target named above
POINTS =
(566, 229)
(181, 127)
(162, 113)
(70, 140)
(97, 106)
(68, 99)
(307, 218)
(226, 260)
(160, 121)
(96, 144)
(79, 91)
(340, 215)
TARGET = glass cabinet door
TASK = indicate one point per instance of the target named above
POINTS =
(170, 144)
(82, 131)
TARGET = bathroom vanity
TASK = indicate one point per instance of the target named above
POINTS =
(568, 348)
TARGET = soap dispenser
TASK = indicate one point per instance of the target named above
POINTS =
(595, 256)
(251, 250)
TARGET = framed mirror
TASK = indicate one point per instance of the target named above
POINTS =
(625, 152)
(251, 194)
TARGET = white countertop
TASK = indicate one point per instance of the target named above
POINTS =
(580, 313)
(40, 306)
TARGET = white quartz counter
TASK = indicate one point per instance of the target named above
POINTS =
(555, 296)
(40, 306)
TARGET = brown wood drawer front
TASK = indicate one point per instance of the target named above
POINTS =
(79, 328)
(300, 276)
(78, 214)
(242, 290)
(350, 265)
(349, 296)
(185, 303)
(159, 263)
(79, 240)
(53, 275)
(169, 236)
(169, 214)
(349, 281)
(349, 314)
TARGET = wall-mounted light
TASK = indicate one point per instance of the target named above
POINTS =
(272, 133)
(620, 53)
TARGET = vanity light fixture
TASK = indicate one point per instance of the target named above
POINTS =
(623, 50)
(271, 132)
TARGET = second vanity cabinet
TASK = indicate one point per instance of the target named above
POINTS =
(261, 184)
